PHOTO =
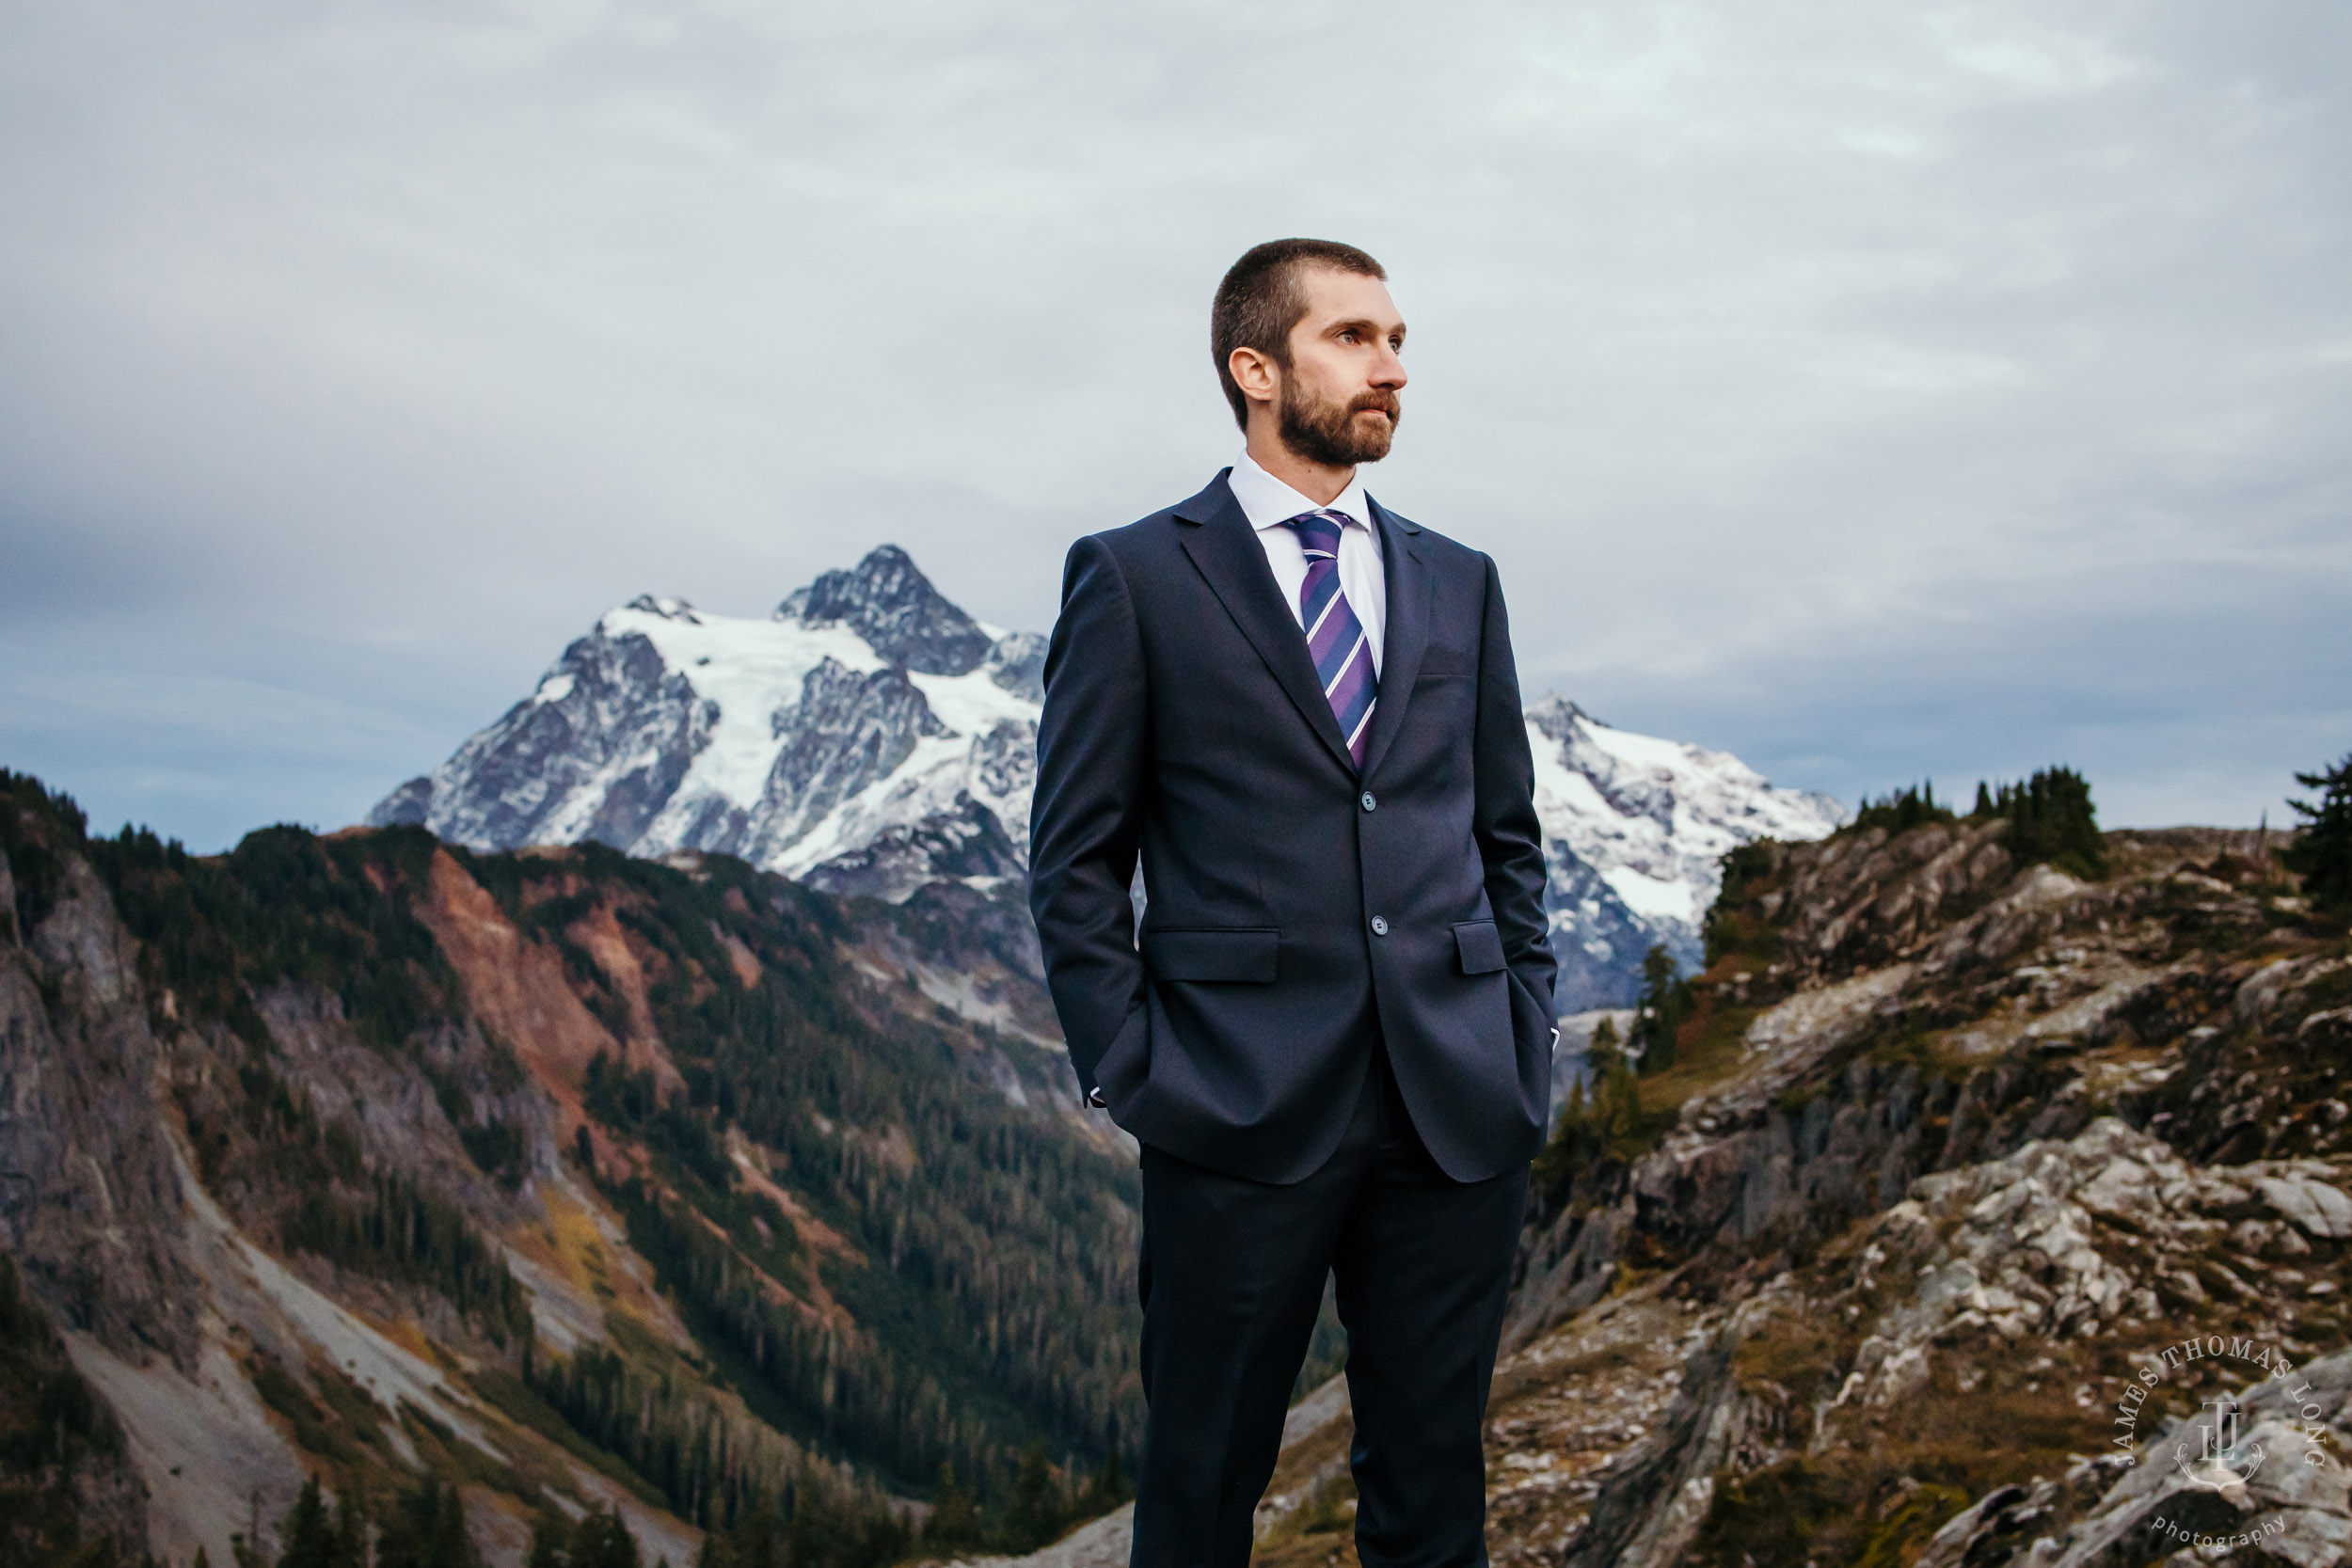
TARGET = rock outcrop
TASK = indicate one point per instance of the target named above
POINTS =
(1986, 1178)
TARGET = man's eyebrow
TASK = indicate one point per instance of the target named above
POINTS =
(1362, 324)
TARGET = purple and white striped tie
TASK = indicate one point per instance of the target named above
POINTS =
(1335, 639)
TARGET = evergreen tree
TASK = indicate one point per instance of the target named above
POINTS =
(1666, 1003)
(2051, 818)
(955, 1519)
(309, 1534)
(995, 1304)
(1035, 1513)
(601, 1539)
(1616, 1104)
(2323, 854)
(351, 1530)
(1601, 1117)
(1903, 810)
(1108, 1488)
(426, 1528)
(757, 1541)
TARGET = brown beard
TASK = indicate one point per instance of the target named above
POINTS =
(1327, 433)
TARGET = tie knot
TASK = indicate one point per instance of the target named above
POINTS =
(1318, 532)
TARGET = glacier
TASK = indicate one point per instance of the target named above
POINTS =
(870, 738)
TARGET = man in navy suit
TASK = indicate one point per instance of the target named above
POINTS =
(1332, 1031)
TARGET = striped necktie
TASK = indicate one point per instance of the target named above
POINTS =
(1335, 639)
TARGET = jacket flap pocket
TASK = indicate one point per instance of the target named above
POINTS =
(1246, 954)
(1447, 664)
(1480, 947)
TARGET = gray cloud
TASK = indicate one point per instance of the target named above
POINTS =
(1873, 390)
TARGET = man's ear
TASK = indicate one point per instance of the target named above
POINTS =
(1255, 373)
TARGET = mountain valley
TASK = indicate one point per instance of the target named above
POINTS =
(585, 1182)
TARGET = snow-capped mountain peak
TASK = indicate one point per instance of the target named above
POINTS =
(898, 612)
(1636, 828)
(868, 723)
(869, 736)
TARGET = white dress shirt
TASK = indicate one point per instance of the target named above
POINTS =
(1268, 503)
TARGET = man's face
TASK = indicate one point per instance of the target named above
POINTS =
(1338, 403)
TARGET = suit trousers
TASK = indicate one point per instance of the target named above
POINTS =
(1231, 1281)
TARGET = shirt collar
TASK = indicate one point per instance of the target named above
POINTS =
(1267, 502)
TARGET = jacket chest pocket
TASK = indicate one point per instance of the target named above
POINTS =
(1440, 665)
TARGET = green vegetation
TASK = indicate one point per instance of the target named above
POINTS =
(1666, 1003)
(408, 1233)
(978, 1271)
(345, 1432)
(1040, 1509)
(1732, 922)
(288, 906)
(54, 1431)
(313, 1538)
(285, 904)
(627, 1102)
(984, 1298)
(598, 1539)
(955, 1522)
(32, 821)
(1888, 1484)
(1912, 806)
(423, 1527)
(1804, 1511)
(1607, 1123)
(814, 1537)
(2050, 818)
(698, 1462)
(1037, 1509)
(2322, 855)
(989, 1297)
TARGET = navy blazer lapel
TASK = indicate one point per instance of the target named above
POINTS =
(1409, 586)
(1226, 549)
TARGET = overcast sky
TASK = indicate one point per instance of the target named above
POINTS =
(1875, 391)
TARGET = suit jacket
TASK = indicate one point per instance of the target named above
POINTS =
(1291, 902)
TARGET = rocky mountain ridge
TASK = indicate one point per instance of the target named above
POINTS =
(870, 738)
(1959, 1143)
(1970, 1187)
(1974, 1185)
(579, 1182)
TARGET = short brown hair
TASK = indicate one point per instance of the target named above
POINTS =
(1260, 301)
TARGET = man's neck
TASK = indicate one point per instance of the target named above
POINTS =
(1318, 482)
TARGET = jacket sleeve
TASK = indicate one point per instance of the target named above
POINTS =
(1085, 816)
(1510, 839)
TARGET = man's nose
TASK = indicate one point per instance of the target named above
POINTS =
(1387, 370)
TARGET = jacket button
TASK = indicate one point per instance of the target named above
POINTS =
(1370, 804)
(1380, 925)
